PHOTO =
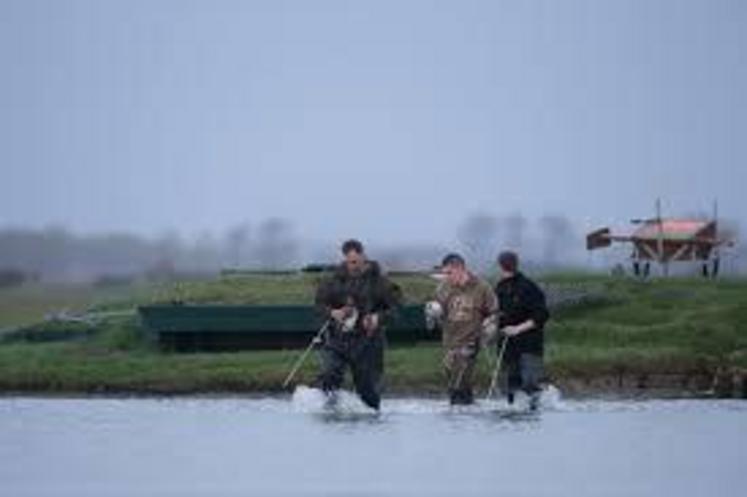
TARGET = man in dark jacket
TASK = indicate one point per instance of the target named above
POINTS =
(522, 316)
(356, 300)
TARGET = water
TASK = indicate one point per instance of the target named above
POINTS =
(242, 446)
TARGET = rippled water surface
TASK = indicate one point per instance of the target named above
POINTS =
(295, 446)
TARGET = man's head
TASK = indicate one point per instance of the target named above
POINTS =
(454, 269)
(355, 257)
(508, 262)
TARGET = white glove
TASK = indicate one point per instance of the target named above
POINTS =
(489, 330)
(511, 331)
(433, 314)
(371, 322)
(348, 324)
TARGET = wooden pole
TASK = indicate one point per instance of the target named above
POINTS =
(660, 244)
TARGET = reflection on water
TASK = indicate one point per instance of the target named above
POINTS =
(234, 446)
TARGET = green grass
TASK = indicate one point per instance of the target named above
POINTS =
(676, 327)
(270, 289)
(30, 303)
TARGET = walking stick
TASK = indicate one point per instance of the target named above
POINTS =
(302, 358)
(497, 369)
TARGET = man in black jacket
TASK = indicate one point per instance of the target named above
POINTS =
(356, 300)
(523, 313)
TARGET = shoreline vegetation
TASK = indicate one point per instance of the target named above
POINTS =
(607, 336)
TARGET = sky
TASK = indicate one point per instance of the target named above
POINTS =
(385, 120)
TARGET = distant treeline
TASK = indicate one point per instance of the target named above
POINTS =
(56, 254)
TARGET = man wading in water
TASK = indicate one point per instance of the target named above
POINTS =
(356, 300)
(523, 314)
(466, 305)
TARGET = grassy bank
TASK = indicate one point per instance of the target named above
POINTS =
(606, 334)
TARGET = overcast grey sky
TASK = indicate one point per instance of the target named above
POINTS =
(384, 120)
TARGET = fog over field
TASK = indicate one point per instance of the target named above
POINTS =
(199, 135)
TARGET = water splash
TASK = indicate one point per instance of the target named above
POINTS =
(552, 399)
(344, 403)
(315, 401)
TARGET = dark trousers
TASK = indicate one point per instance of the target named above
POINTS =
(523, 371)
(364, 356)
(459, 364)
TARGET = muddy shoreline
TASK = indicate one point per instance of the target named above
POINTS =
(723, 384)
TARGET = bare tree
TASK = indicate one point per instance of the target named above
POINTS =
(276, 246)
(515, 226)
(205, 254)
(168, 246)
(478, 234)
(237, 240)
(557, 239)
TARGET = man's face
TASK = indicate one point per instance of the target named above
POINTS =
(355, 262)
(504, 273)
(454, 273)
